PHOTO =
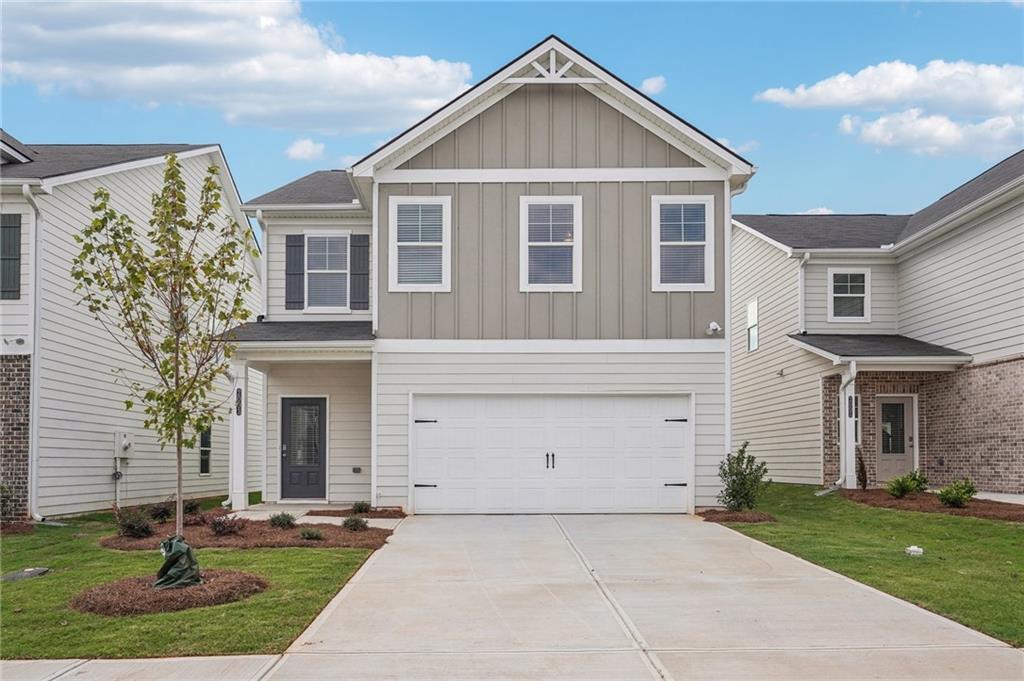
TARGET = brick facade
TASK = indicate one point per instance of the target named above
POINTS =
(970, 423)
(15, 381)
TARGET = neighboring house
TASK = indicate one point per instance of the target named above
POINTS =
(898, 339)
(516, 305)
(63, 418)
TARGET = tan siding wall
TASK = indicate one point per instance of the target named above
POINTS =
(347, 386)
(616, 301)
(883, 300)
(80, 407)
(966, 291)
(399, 374)
(278, 228)
(16, 315)
(779, 415)
(550, 126)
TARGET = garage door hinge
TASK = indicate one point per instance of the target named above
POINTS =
(677, 420)
(675, 484)
(424, 420)
(421, 485)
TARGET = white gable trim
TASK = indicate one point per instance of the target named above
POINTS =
(750, 230)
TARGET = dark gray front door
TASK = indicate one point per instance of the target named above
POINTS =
(304, 448)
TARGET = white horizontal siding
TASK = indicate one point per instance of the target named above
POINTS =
(779, 415)
(16, 315)
(255, 431)
(347, 387)
(883, 300)
(399, 374)
(277, 230)
(966, 291)
(80, 405)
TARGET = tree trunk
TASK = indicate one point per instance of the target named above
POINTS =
(179, 510)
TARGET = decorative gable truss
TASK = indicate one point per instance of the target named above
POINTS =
(555, 73)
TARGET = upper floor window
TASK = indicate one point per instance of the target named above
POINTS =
(682, 243)
(849, 295)
(205, 450)
(752, 340)
(419, 254)
(327, 271)
(550, 243)
(10, 256)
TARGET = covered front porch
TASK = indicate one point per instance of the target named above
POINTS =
(315, 439)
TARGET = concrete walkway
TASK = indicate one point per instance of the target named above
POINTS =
(592, 597)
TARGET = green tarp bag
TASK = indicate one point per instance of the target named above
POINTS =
(180, 566)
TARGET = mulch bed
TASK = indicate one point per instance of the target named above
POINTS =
(136, 595)
(257, 534)
(345, 512)
(17, 528)
(929, 503)
(715, 515)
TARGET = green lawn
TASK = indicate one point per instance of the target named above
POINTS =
(972, 570)
(35, 621)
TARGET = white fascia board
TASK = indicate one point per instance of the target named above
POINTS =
(890, 363)
(685, 345)
(554, 175)
(50, 182)
(14, 152)
(753, 232)
(835, 359)
(19, 181)
(251, 208)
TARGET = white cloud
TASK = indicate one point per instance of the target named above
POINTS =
(821, 210)
(305, 149)
(653, 85)
(933, 134)
(257, 63)
(348, 160)
(743, 148)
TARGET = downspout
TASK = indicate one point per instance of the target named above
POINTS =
(851, 377)
(800, 292)
(33, 400)
(263, 260)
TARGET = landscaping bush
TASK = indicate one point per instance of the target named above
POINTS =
(906, 484)
(862, 474)
(957, 493)
(311, 534)
(361, 507)
(192, 506)
(282, 521)
(194, 519)
(132, 522)
(743, 480)
(355, 523)
(224, 524)
(918, 480)
(162, 512)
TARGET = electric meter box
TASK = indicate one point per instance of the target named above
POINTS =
(124, 445)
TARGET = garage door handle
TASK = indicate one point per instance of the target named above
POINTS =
(552, 459)
(419, 485)
(676, 420)
(424, 420)
(675, 484)
(547, 460)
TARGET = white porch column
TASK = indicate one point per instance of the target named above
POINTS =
(238, 489)
(848, 429)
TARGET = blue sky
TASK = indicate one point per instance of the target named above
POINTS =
(257, 78)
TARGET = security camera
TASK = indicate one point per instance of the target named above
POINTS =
(713, 328)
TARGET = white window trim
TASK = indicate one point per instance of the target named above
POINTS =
(446, 244)
(524, 244)
(317, 309)
(756, 324)
(708, 243)
(866, 271)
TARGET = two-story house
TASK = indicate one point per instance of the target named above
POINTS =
(67, 444)
(519, 304)
(895, 339)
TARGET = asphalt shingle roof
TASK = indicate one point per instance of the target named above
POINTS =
(874, 345)
(264, 332)
(322, 186)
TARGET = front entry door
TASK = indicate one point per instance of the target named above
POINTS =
(304, 448)
(895, 437)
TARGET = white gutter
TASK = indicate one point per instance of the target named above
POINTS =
(800, 291)
(33, 409)
(249, 209)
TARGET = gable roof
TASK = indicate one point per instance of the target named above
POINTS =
(856, 345)
(624, 90)
(323, 187)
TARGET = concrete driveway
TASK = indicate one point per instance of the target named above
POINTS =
(620, 597)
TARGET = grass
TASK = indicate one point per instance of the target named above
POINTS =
(35, 621)
(972, 570)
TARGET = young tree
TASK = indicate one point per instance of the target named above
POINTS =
(168, 296)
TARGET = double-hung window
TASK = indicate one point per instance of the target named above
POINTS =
(550, 243)
(849, 295)
(682, 243)
(752, 340)
(205, 450)
(419, 257)
(327, 271)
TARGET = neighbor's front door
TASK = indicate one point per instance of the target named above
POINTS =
(895, 437)
(303, 448)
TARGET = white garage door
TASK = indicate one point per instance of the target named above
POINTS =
(551, 454)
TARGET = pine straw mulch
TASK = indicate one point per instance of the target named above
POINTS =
(717, 515)
(345, 512)
(136, 595)
(929, 503)
(256, 534)
(17, 528)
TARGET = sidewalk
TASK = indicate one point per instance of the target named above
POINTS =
(228, 668)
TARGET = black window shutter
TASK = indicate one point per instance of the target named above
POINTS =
(294, 272)
(10, 257)
(359, 251)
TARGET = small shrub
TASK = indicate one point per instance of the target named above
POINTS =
(906, 484)
(224, 525)
(862, 474)
(282, 521)
(355, 524)
(957, 493)
(192, 506)
(361, 507)
(195, 519)
(918, 480)
(311, 534)
(132, 522)
(162, 512)
(743, 480)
